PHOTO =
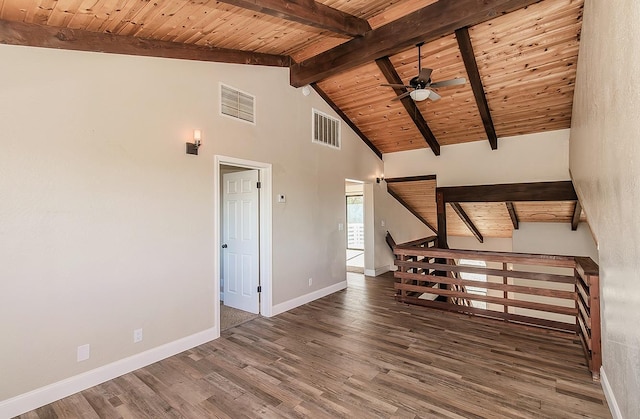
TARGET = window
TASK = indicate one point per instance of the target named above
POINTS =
(237, 104)
(326, 129)
(355, 222)
(475, 277)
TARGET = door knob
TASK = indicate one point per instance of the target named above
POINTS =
(224, 246)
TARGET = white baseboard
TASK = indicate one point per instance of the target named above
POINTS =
(608, 393)
(377, 271)
(307, 298)
(44, 395)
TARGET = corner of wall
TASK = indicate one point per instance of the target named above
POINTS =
(608, 393)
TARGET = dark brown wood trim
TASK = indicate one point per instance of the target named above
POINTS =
(441, 208)
(308, 12)
(411, 210)
(424, 25)
(513, 215)
(414, 113)
(559, 261)
(492, 314)
(575, 220)
(469, 58)
(536, 276)
(347, 121)
(18, 33)
(551, 308)
(467, 221)
(519, 289)
(537, 191)
(410, 179)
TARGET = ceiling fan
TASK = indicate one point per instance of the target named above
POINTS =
(421, 85)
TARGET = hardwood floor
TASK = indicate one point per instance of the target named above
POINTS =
(356, 354)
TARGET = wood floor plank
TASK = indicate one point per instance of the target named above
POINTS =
(357, 353)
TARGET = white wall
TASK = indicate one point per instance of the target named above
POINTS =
(526, 158)
(106, 225)
(555, 239)
(604, 157)
(391, 216)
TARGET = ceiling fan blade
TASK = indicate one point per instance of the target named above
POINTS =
(425, 74)
(445, 83)
(433, 96)
(405, 94)
(399, 86)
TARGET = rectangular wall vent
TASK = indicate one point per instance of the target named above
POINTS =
(326, 129)
(237, 104)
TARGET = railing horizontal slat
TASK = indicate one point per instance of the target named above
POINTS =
(521, 258)
(536, 276)
(569, 327)
(545, 292)
(550, 308)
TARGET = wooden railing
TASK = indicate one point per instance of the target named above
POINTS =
(548, 291)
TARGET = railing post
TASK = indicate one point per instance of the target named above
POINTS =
(596, 332)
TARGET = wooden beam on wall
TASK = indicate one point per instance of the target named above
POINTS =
(469, 58)
(467, 221)
(307, 12)
(347, 121)
(414, 113)
(536, 191)
(575, 220)
(513, 215)
(18, 33)
(424, 25)
(411, 210)
(441, 208)
(410, 179)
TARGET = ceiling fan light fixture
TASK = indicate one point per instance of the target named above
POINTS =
(420, 94)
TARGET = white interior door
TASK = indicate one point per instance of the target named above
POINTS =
(240, 244)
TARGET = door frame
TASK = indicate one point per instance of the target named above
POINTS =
(265, 228)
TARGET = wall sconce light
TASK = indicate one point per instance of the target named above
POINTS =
(380, 179)
(192, 148)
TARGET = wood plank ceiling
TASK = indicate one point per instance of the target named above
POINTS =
(518, 56)
(491, 219)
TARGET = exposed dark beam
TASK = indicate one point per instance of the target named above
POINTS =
(346, 119)
(537, 191)
(424, 25)
(18, 33)
(308, 12)
(441, 209)
(410, 179)
(392, 77)
(467, 221)
(575, 220)
(513, 215)
(469, 58)
(411, 210)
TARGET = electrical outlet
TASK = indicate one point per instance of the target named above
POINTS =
(84, 351)
(310, 281)
(137, 335)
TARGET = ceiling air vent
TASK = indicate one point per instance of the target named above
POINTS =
(237, 104)
(326, 129)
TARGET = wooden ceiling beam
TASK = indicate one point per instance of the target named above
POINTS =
(575, 220)
(410, 179)
(18, 33)
(347, 121)
(424, 25)
(470, 64)
(513, 215)
(411, 210)
(511, 192)
(390, 73)
(308, 12)
(467, 221)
